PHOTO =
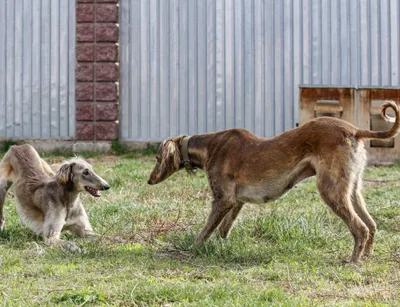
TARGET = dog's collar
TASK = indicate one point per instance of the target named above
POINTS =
(185, 154)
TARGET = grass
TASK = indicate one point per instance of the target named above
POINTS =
(286, 253)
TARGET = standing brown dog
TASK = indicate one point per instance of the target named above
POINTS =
(242, 167)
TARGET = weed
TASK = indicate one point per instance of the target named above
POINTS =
(118, 148)
(79, 297)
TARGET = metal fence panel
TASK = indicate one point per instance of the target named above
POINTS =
(37, 69)
(196, 66)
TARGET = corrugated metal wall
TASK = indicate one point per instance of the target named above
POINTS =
(37, 69)
(195, 66)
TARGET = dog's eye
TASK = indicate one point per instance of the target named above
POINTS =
(86, 172)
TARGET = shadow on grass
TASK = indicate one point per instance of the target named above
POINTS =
(240, 250)
(17, 236)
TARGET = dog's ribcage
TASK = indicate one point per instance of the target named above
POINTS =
(271, 188)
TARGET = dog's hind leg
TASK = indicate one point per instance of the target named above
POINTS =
(4, 187)
(229, 219)
(47, 168)
(361, 209)
(81, 227)
(335, 191)
(81, 231)
(79, 223)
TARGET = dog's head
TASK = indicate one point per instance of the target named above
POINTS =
(169, 160)
(77, 175)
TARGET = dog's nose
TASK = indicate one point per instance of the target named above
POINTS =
(106, 186)
(149, 181)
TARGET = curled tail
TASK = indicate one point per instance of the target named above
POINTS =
(368, 134)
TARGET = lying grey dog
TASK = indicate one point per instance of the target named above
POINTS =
(49, 203)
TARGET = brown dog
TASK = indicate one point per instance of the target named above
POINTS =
(242, 167)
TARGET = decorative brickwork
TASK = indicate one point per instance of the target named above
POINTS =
(97, 69)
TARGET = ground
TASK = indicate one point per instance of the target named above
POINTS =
(286, 253)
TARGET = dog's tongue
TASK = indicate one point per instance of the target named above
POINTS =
(93, 191)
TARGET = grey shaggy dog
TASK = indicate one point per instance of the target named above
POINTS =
(47, 202)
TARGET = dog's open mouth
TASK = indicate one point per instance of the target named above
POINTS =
(92, 191)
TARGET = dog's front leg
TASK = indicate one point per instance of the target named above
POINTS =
(218, 211)
(229, 219)
(53, 224)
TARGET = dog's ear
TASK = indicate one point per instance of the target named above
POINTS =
(64, 175)
(174, 152)
(177, 156)
(171, 148)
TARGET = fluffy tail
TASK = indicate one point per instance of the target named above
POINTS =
(6, 169)
(367, 134)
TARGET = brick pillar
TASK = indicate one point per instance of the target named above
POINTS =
(97, 69)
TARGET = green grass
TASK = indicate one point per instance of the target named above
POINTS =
(286, 253)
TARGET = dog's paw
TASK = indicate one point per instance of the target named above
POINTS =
(367, 253)
(198, 242)
(349, 262)
(72, 247)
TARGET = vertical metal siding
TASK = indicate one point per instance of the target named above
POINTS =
(37, 69)
(196, 66)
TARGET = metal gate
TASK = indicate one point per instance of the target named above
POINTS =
(195, 66)
(37, 69)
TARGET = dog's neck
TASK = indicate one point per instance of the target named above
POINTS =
(197, 150)
(71, 196)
